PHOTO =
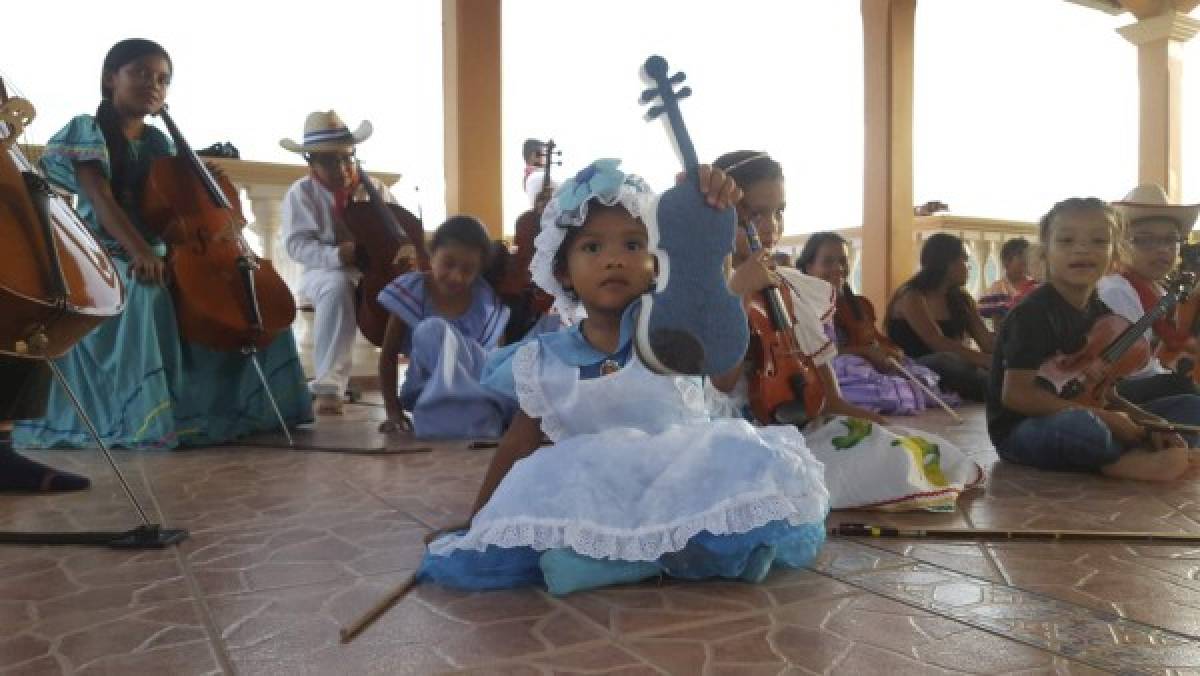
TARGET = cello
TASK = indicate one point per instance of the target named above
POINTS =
(514, 283)
(226, 297)
(389, 242)
(782, 373)
(56, 283)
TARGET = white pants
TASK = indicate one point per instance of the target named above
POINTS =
(332, 294)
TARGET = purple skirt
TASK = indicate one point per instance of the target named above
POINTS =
(886, 393)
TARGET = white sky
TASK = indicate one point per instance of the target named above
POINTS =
(1018, 103)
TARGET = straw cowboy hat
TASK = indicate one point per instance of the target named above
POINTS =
(1149, 200)
(325, 132)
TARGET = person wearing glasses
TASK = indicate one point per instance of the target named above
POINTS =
(316, 237)
(1154, 231)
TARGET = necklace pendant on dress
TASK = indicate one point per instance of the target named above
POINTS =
(609, 367)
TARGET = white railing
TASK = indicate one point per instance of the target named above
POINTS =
(983, 238)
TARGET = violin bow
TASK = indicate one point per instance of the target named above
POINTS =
(1031, 534)
(926, 389)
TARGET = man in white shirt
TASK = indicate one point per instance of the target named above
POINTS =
(315, 235)
(534, 152)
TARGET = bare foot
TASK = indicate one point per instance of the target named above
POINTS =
(1165, 465)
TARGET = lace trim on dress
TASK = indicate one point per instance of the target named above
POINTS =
(737, 515)
(530, 396)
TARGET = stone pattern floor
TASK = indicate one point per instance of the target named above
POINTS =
(288, 546)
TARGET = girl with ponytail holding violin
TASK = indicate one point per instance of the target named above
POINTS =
(868, 364)
(144, 386)
(866, 464)
(1051, 403)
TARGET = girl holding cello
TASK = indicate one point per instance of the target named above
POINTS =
(1032, 422)
(866, 464)
(866, 365)
(145, 386)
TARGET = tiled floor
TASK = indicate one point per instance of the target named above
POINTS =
(288, 546)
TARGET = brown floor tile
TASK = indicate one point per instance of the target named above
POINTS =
(42, 583)
(654, 606)
(453, 629)
(163, 638)
(264, 557)
(605, 658)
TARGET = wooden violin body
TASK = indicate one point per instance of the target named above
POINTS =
(782, 373)
(1187, 318)
(226, 298)
(56, 282)
(783, 376)
(1085, 376)
(390, 241)
(855, 316)
(1114, 349)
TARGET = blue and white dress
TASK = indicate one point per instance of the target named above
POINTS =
(446, 360)
(639, 474)
(139, 381)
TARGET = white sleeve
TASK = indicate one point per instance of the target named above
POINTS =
(301, 235)
(533, 185)
(1118, 294)
(813, 301)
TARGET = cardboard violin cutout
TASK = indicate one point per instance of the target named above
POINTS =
(689, 323)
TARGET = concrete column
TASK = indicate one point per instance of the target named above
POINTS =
(471, 53)
(888, 167)
(1159, 40)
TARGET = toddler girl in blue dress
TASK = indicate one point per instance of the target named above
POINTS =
(641, 480)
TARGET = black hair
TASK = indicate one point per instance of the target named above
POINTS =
(1017, 246)
(939, 252)
(808, 255)
(531, 147)
(467, 231)
(107, 118)
(560, 257)
(747, 167)
(1074, 204)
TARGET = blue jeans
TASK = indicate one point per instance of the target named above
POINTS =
(1078, 441)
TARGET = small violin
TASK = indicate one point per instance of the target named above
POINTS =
(782, 373)
(1114, 348)
(855, 317)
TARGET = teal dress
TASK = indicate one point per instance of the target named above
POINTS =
(141, 384)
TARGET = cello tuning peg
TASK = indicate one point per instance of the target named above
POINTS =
(648, 95)
(677, 78)
(684, 93)
(654, 112)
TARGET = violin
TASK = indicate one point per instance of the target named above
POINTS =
(1113, 349)
(226, 297)
(782, 372)
(855, 316)
(389, 242)
(56, 282)
(512, 281)
(1187, 318)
